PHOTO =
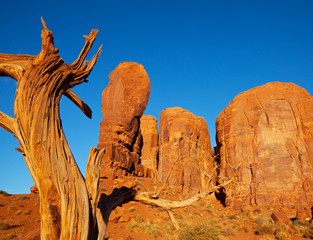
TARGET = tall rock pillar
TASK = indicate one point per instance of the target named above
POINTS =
(184, 143)
(123, 103)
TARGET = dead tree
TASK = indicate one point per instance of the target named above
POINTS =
(68, 202)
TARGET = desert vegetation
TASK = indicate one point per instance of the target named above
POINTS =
(205, 217)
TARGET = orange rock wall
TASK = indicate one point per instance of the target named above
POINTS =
(150, 149)
(184, 143)
(268, 129)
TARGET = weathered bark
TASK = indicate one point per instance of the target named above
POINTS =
(67, 210)
(92, 183)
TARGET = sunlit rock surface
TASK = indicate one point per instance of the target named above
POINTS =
(184, 144)
(149, 151)
(269, 130)
(123, 103)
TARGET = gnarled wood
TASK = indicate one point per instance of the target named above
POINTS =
(78, 102)
(6, 122)
(92, 183)
(14, 65)
(65, 207)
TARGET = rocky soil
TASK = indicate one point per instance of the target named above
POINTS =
(19, 218)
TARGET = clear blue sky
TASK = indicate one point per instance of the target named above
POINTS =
(198, 54)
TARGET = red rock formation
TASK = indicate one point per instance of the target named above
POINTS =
(280, 217)
(269, 129)
(34, 189)
(184, 141)
(123, 103)
(149, 151)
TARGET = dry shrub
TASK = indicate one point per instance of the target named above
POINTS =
(244, 228)
(5, 194)
(22, 198)
(265, 226)
(169, 227)
(302, 228)
(9, 236)
(228, 231)
(233, 217)
(131, 209)
(132, 225)
(282, 236)
(308, 232)
(27, 212)
(199, 232)
(5, 225)
(153, 229)
(268, 238)
(139, 218)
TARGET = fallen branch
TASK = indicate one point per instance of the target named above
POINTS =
(171, 215)
(148, 197)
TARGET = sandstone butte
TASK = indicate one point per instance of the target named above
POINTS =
(184, 144)
(123, 103)
(269, 130)
(150, 149)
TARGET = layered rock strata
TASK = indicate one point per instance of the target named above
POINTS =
(269, 130)
(123, 103)
(184, 146)
(150, 149)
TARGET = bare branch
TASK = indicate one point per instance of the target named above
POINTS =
(83, 72)
(7, 122)
(47, 47)
(232, 179)
(14, 65)
(81, 67)
(171, 215)
(78, 102)
(147, 197)
(88, 44)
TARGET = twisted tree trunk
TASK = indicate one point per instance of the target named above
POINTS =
(67, 208)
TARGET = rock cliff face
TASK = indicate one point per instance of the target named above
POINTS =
(150, 149)
(184, 144)
(123, 103)
(269, 130)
